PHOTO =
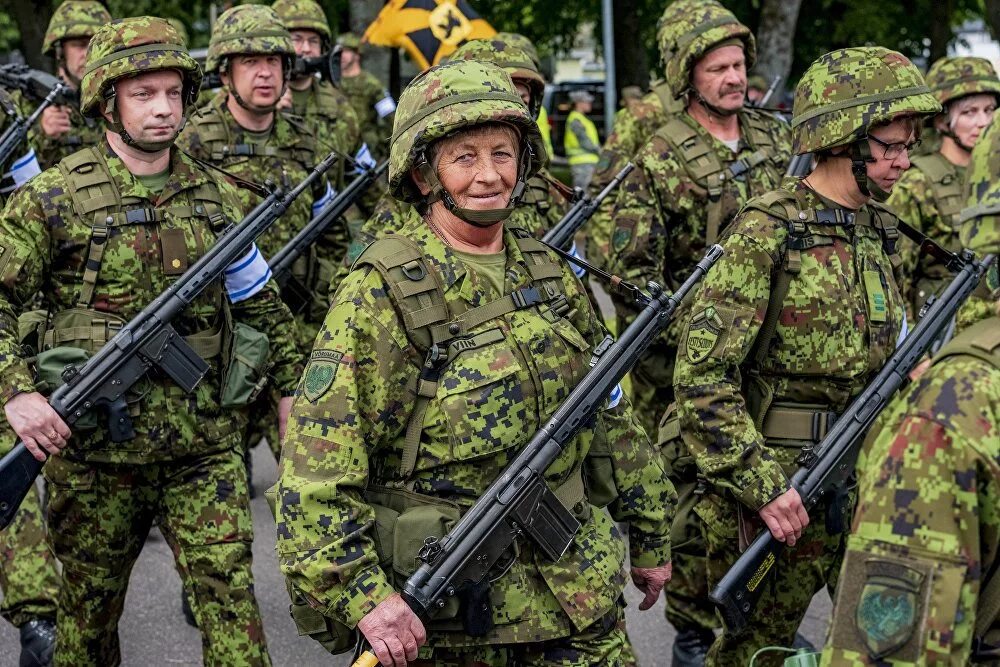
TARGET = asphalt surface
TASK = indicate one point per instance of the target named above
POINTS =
(153, 631)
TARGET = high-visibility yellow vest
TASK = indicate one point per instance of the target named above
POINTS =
(545, 130)
(574, 152)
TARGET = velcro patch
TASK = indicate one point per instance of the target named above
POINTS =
(704, 334)
(320, 373)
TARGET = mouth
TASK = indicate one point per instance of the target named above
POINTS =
(494, 198)
(162, 129)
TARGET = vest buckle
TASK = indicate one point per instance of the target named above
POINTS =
(526, 297)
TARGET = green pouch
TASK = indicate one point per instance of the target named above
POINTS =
(331, 634)
(49, 367)
(244, 364)
(413, 527)
(599, 472)
(31, 327)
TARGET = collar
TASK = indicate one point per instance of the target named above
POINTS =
(184, 175)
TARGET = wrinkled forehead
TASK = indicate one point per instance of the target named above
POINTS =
(486, 136)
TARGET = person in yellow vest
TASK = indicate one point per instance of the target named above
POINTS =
(546, 131)
(580, 140)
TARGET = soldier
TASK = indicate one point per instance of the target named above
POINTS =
(919, 582)
(795, 319)
(580, 139)
(930, 196)
(520, 41)
(63, 129)
(372, 103)
(365, 441)
(100, 236)
(690, 180)
(315, 100)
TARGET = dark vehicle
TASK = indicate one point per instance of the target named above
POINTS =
(558, 105)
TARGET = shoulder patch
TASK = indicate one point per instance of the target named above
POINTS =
(320, 373)
(887, 612)
(704, 334)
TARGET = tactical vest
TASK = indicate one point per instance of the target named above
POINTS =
(947, 185)
(576, 154)
(982, 342)
(703, 167)
(95, 198)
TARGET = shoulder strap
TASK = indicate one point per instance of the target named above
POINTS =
(946, 185)
(981, 340)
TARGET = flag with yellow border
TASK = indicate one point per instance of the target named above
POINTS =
(429, 30)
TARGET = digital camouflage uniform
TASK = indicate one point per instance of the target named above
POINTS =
(919, 584)
(931, 193)
(686, 187)
(348, 443)
(372, 103)
(184, 465)
(792, 323)
(73, 18)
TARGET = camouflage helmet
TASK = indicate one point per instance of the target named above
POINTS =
(523, 43)
(952, 78)
(688, 30)
(303, 15)
(979, 229)
(128, 46)
(181, 31)
(247, 29)
(846, 92)
(456, 95)
(349, 40)
(72, 19)
(515, 60)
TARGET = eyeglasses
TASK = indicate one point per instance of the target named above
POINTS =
(314, 42)
(893, 151)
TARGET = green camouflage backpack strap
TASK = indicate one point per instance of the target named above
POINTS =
(947, 188)
(756, 126)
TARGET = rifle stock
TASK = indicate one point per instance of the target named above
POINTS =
(561, 235)
(148, 340)
(738, 592)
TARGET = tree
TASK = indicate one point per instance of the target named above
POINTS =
(775, 36)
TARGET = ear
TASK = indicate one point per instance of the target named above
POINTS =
(419, 181)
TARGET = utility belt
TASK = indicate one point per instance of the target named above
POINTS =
(405, 522)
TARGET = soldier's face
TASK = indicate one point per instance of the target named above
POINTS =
(257, 78)
(524, 92)
(307, 43)
(348, 57)
(151, 105)
(969, 116)
(886, 171)
(478, 167)
(721, 77)
(75, 54)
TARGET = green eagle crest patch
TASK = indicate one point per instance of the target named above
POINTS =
(320, 372)
(888, 610)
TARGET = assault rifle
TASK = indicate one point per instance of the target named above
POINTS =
(828, 467)
(766, 97)
(37, 85)
(520, 503)
(148, 341)
(561, 236)
(282, 261)
(13, 77)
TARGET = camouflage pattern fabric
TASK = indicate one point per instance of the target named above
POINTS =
(839, 323)
(203, 506)
(926, 534)
(29, 578)
(515, 59)
(84, 132)
(247, 29)
(954, 77)
(303, 15)
(363, 92)
(347, 432)
(74, 19)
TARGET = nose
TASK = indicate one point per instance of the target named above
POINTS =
(161, 105)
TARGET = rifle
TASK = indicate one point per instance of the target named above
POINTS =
(830, 465)
(282, 261)
(148, 340)
(16, 134)
(37, 85)
(766, 97)
(561, 235)
(520, 502)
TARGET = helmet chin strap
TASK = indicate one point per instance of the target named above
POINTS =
(861, 156)
(286, 74)
(116, 125)
(479, 218)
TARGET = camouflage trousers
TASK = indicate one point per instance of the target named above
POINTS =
(29, 577)
(799, 574)
(99, 516)
(598, 646)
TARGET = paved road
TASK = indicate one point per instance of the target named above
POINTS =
(153, 631)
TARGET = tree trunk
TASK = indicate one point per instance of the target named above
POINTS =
(940, 32)
(631, 62)
(992, 16)
(775, 36)
(375, 58)
(32, 19)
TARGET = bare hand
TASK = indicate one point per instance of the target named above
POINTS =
(286, 100)
(785, 517)
(650, 580)
(394, 631)
(55, 121)
(37, 424)
(284, 409)
(920, 369)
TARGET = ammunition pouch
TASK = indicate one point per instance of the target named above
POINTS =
(599, 489)
(245, 363)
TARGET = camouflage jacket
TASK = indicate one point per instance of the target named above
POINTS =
(292, 150)
(44, 242)
(929, 197)
(347, 432)
(926, 535)
(981, 187)
(364, 92)
(840, 320)
(83, 132)
(329, 108)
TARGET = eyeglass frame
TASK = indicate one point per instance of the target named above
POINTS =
(903, 146)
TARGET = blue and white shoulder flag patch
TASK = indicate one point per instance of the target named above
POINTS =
(364, 160)
(247, 275)
(577, 269)
(21, 171)
(616, 397)
(385, 106)
(904, 331)
(327, 197)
